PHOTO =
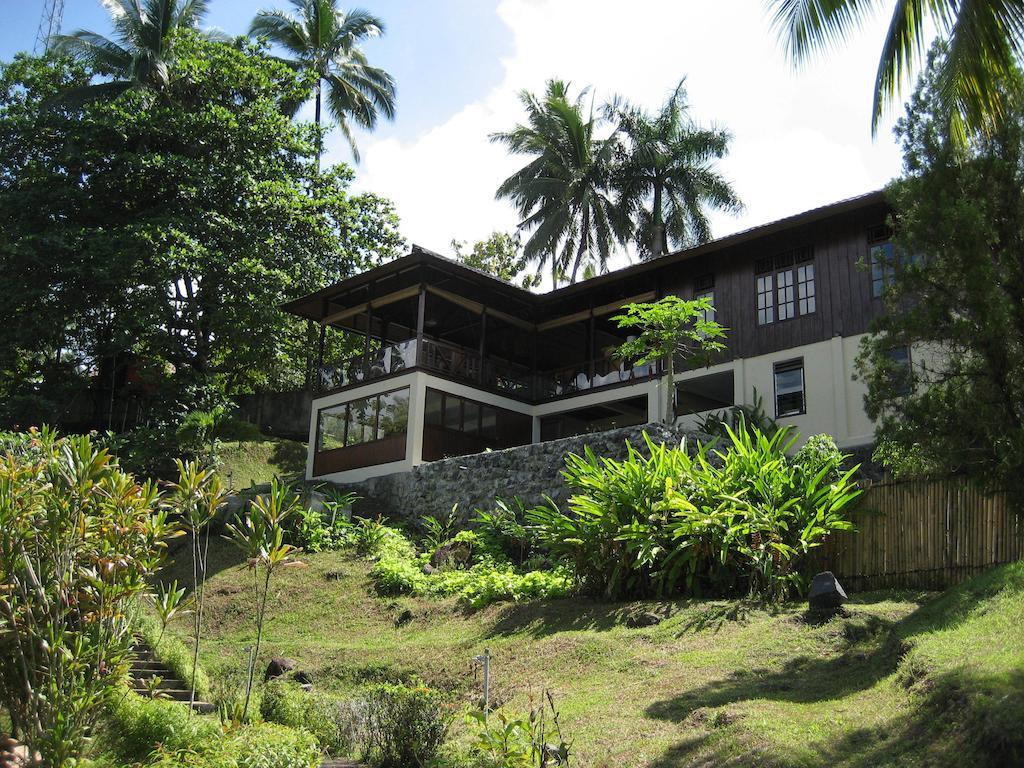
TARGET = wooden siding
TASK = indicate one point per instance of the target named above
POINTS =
(928, 534)
(369, 454)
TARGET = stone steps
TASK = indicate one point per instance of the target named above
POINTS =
(149, 675)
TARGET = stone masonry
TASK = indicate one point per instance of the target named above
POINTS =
(529, 472)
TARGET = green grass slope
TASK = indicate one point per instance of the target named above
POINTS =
(905, 679)
(253, 462)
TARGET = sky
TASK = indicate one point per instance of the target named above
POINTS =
(801, 136)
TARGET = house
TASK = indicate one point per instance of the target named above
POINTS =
(457, 362)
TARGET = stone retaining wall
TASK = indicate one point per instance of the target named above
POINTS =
(529, 472)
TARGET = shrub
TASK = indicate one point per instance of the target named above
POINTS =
(714, 521)
(140, 727)
(406, 726)
(285, 703)
(502, 530)
(268, 745)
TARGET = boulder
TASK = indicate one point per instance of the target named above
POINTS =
(826, 593)
(403, 618)
(455, 553)
(279, 666)
(303, 678)
(645, 619)
(428, 569)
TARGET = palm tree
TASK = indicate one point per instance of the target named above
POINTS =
(562, 193)
(141, 54)
(985, 40)
(325, 40)
(665, 175)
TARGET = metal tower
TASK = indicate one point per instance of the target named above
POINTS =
(49, 24)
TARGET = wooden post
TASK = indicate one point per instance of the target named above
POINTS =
(483, 339)
(421, 316)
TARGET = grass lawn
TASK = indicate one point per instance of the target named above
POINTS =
(906, 679)
(252, 462)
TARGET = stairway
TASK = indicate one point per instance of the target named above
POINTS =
(146, 666)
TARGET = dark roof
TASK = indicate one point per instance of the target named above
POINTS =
(304, 306)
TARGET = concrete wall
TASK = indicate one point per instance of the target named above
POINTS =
(529, 472)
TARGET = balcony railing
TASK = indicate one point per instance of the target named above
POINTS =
(466, 365)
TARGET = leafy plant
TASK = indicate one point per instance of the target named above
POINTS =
(437, 532)
(79, 538)
(167, 600)
(524, 741)
(739, 417)
(260, 535)
(325, 529)
(369, 535)
(406, 725)
(284, 702)
(502, 529)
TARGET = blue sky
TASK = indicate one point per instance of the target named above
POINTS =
(801, 138)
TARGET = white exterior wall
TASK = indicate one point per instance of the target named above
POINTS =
(834, 401)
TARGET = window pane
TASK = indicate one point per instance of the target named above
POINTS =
(488, 422)
(708, 314)
(452, 413)
(471, 417)
(787, 306)
(432, 408)
(394, 413)
(789, 389)
(362, 416)
(881, 268)
(805, 286)
(765, 300)
(330, 428)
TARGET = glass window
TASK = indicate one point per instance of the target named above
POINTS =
(362, 421)
(452, 413)
(708, 314)
(789, 389)
(902, 375)
(787, 305)
(765, 300)
(393, 413)
(470, 417)
(882, 267)
(805, 288)
(432, 407)
(331, 428)
(488, 422)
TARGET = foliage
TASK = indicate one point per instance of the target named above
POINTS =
(820, 453)
(502, 530)
(324, 41)
(142, 55)
(664, 175)
(406, 726)
(959, 406)
(437, 532)
(259, 533)
(562, 192)
(504, 740)
(670, 327)
(213, 214)
(499, 255)
(984, 40)
(326, 528)
(674, 522)
(490, 579)
(370, 535)
(78, 540)
(739, 418)
(284, 702)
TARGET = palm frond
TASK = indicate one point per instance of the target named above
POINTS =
(806, 26)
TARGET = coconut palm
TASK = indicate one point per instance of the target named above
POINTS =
(985, 40)
(141, 54)
(325, 40)
(562, 193)
(665, 175)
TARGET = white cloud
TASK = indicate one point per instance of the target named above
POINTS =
(801, 138)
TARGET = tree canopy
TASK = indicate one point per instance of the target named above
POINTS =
(955, 289)
(163, 234)
(500, 255)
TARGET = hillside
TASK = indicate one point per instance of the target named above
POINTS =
(253, 462)
(905, 679)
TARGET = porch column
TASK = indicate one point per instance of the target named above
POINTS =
(421, 315)
(483, 339)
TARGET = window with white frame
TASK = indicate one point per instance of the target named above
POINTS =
(790, 397)
(785, 286)
(704, 287)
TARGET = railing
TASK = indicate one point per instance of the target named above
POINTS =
(466, 365)
(578, 378)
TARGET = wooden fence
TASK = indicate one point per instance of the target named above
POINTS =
(923, 534)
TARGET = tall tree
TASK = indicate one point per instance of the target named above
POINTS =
(325, 41)
(986, 40)
(665, 175)
(954, 280)
(500, 255)
(562, 193)
(171, 228)
(141, 54)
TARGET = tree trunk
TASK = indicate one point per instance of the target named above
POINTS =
(670, 389)
(658, 240)
(319, 138)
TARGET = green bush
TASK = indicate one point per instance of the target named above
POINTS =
(138, 727)
(285, 703)
(406, 726)
(502, 530)
(268, 745)
(715, 521)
